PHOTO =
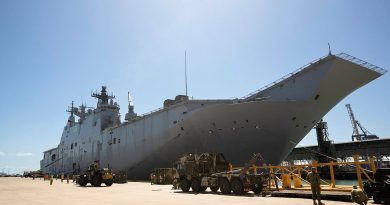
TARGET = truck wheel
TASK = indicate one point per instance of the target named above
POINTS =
(203, 188)
(184, 185)
(237, 187)
(376, 200)
(257, 188)
(82, 181)
(96, 181)
(109, 182)
(214, 188)
(195, 185)
(225, 186)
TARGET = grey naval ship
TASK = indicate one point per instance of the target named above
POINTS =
(271, 120)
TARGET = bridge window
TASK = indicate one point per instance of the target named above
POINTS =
(114, 140)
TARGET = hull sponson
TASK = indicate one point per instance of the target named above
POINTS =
(271, 121)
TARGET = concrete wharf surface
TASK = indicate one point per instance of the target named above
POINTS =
(325, 195)
(30, 192)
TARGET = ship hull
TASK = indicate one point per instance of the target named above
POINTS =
(271, 122)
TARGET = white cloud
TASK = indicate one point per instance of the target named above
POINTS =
(23, 154)
(17, 154)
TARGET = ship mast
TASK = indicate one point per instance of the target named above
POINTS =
(71, 110)
(185, 69)
(103, 97)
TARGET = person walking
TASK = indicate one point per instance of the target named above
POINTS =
(358, 196)
(51, 179)
(315, 182)
(152, 176)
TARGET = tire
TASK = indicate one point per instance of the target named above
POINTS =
(376, 200)
(237, 187)
(184, 185)
(257, 188)
(214, 188)
(109, 182)
(224, 186)
(82, 181)
(96, 181)
(195, 185)
(203, 188)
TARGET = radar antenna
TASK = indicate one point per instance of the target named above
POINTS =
(130, 113)
(103, 95)
(130, 99)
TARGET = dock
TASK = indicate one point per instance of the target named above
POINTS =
(325, 195)
(377, 147)
(15, 191)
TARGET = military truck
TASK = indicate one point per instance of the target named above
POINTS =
(379, 189)
(199, 172)
(96, 176)
(120, 177)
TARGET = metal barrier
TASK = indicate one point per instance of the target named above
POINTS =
(360, 62)
(294, 171)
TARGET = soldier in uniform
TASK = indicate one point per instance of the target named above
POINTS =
(358, 196)
(152, 176)
(174, 184)
(51, 179)
(315, 181)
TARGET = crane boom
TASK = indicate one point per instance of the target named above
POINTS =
(353, 120)
(365, 135)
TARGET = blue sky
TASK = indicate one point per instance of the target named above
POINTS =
(53, 52)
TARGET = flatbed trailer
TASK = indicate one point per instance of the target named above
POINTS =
(212, 170)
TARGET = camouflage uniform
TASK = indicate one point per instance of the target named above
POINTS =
(358, 196)
(51, 179)
(174, 184)
(315, 181)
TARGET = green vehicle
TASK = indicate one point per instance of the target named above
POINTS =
(199, 172)
(96, 176)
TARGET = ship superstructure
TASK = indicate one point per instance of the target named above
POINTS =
(278, 115)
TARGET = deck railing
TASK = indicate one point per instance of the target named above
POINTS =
(283, 78)
(344, 56)
(361, 62)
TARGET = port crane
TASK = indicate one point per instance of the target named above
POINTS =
(365, 134)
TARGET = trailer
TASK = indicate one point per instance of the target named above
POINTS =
(199, 172)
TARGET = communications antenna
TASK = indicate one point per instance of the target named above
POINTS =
(185, 69)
